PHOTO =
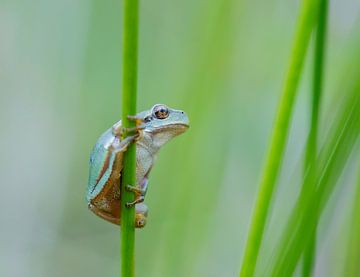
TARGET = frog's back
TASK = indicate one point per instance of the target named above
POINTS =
(101, 162)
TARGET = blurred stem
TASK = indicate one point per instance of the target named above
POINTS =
(352, 266)
(129, 86)
(305, 25)
(311, 148)
(330, 164)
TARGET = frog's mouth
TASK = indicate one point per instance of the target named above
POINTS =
(176, 127)
(181, 125)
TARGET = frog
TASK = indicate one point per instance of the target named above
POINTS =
(154, 128)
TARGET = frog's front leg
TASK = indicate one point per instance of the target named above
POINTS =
(118, 130)
(121, 146)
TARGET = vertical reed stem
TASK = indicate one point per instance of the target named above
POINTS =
(311, 148)
(129, 87)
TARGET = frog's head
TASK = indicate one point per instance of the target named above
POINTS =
(163, 123)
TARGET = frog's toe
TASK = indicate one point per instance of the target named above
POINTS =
(141, 215)
(140, 220)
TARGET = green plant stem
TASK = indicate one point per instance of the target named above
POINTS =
(279, 136)
(352, 267)
(311, 148)
(331, 162)
(129, 87)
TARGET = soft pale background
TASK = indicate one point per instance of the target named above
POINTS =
(222, 62)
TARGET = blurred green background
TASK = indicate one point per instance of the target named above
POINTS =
(223, 63)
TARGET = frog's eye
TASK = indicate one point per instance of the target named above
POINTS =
(161, 112)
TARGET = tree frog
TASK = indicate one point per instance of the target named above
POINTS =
(154, 128)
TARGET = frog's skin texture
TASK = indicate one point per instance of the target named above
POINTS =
(155, 127)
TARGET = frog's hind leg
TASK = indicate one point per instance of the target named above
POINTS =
(139, 190)
(105, 215)
(141, 212)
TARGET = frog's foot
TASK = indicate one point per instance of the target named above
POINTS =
(136, 189)
(138, 199)
(118, 130)
(136, 129)
(136, 118)
(139, 122)
(121, 146)
(141, 212)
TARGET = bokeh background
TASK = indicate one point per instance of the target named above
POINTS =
(222, 62)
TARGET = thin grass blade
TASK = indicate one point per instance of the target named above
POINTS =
(279, 136)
